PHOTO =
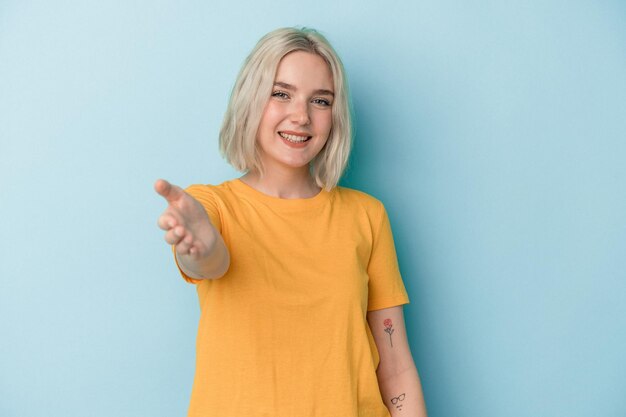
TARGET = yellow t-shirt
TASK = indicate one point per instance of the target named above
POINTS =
(284, 332)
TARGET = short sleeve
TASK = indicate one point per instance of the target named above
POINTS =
(386, 288)
(205, 196)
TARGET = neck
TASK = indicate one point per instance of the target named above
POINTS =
(288, 184)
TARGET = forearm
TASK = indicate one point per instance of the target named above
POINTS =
(405, 390)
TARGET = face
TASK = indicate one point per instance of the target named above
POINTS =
(297, 118)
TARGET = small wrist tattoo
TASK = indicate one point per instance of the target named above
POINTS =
(397, 401)
(388, 328)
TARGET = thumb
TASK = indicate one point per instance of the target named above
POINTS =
(169, 191)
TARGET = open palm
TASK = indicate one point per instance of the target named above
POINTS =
(185, 222)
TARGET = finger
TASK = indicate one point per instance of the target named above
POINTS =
(171, 239)
(166, 222)
(169, 191)
(192, 253)
(175, 235)
(186, 253)
(185, 244)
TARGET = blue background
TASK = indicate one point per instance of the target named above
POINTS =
(494, 132)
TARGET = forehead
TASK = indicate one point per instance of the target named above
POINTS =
(304, 69)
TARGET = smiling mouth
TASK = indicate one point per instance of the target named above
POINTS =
(294, 138)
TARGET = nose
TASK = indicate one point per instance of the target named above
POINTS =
(300, 113)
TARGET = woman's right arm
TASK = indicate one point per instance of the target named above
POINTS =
(200, 250)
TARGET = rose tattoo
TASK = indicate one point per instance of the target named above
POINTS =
(388, 328)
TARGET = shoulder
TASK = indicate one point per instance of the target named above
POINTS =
(361, 204)
(359, 199)
(210, 190)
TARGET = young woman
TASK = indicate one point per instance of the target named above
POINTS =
(300, 293)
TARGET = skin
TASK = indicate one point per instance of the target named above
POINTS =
(301, 103)
(200, 249)
(397, 374)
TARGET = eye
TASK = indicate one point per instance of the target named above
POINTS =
(322, 102)
(280, 94)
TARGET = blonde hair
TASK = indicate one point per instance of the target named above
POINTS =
(253, 88)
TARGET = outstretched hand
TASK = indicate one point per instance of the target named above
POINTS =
(186, 223)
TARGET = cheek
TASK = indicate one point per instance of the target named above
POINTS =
(271, 116)
(324, 122)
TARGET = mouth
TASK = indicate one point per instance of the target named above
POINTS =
(293, 138)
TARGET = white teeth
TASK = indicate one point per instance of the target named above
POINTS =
(294, 138)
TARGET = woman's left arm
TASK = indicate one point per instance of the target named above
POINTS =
(397, 375)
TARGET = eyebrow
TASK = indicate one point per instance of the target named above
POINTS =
(291, 87)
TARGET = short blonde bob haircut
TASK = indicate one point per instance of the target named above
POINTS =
(254, 87)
